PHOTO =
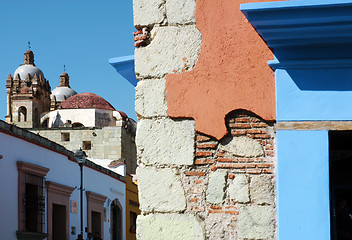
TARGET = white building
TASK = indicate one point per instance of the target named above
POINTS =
(40, 191)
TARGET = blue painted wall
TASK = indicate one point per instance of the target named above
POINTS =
(303, 185)
(314, 94)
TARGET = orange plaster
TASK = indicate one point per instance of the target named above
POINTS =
(231, 72)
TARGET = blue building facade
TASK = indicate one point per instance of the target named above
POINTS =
(312, 44)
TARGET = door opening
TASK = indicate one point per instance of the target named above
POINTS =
(340, 165)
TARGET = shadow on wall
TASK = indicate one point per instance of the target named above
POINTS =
(322, 79)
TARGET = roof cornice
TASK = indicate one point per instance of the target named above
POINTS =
(304, 29)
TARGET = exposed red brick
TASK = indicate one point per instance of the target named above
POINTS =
(251, 165)
(213, 167)
(195, 173)
(204, 154)
(254, 131)
(231, 176)
(270, 153)
(240, 125)
(202, 138)
(231, 165)
(215, 211)
(204, 161)
(201, 209)
(255, 119)
(236, 132)
(232, 212)
(261, 136)
(215, 207)
(206, 145)
(259, 125)
(242, 120)
(230, 207)
(221, 154)
(265, 165)
(244, 160)
(194, 200)
(226, 160)
(199, 181)
(254, 171)
(140, 38)
(268, 171)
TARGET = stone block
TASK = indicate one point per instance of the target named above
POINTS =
(180, 11)
(166, 141)
(150, 98)
(256, 222)
(169, 226)
(243, 147)
(262, 189)
(216, 187)
(160, 190)
(172, 49)
(148, 12)
(239, 189)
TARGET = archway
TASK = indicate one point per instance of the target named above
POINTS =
(116, 220)
(22, 114)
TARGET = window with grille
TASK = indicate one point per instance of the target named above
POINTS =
(31, 207)
(34, 203)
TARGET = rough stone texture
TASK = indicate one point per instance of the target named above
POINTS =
(150, 98)
(243, 147)
(239, 189)
(106, 143)
(160, 190)
(180, 11)
(169, 226)
(218, 226)
(165, 141)
(262, 189)
(256, 222)
(172, 49)
(148, 12)
(216, 187)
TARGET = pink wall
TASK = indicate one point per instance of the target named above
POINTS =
(231, 72)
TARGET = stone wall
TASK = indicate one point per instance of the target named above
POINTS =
(193, 186)
(111, 143)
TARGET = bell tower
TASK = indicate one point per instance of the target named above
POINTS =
(28, 94)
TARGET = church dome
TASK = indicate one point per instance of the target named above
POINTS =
(86, 100)
(25, 69)
(60, 92)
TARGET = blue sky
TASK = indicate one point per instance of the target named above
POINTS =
(82, 34)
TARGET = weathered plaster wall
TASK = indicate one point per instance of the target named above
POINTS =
(231, 72)
(194, 185)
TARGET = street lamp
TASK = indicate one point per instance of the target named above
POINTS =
(81, 159)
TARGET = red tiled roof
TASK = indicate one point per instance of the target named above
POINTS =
(86, 100)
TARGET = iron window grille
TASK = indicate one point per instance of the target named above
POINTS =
(34, 203)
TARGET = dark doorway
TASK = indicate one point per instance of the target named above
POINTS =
(96, 222)
(116, 220)
(340, 165)
(59, 222)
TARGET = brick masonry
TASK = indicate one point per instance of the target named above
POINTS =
(208, 159)
(227, 192)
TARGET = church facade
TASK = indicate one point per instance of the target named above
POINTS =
(83, 120)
